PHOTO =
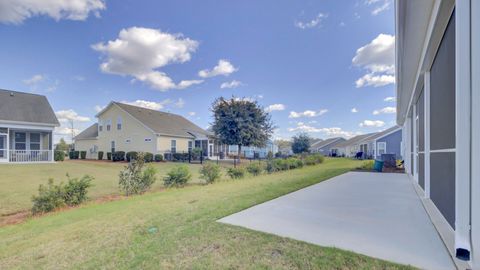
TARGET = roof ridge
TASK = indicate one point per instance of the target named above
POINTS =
(20, 92)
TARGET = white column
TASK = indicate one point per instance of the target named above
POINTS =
(414, 142)
(407, 139)
(426, 94)
(475, 185)
(462, 122)
(8, 144)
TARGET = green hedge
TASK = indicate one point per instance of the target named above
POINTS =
(58, 155)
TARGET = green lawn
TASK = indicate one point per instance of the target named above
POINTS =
(21, 181)
(119, 234)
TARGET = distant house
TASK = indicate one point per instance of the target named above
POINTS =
(327, 147)
(352, 146)
(123, 127)
(27, 122)
(252, 151)
(388, 141)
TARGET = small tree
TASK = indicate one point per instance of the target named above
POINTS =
(62, 145)
(241, 122)
(134, 180)
(301, 143)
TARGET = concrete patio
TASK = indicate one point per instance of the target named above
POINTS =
(379, 215)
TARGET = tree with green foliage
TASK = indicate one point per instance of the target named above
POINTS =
(62, 145)
(301, 143)
(241, 122)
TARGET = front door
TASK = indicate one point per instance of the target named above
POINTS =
(3, 147)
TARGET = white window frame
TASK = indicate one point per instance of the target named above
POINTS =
(119, 123)
(381, 146)
(173, 146)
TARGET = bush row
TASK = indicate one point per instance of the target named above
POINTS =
(52, 196)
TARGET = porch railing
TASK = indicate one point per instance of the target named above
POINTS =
(30, 155)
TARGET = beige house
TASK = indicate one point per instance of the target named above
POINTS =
(123, 127)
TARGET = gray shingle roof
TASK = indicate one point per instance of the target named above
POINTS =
(90, 133)
(163, 122)
(383, 133)
(26, 107)
(355, 140)
(327, 142)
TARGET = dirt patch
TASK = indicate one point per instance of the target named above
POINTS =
(14, 218)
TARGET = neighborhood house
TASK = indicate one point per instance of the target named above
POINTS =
(27, 122)
(123, 127)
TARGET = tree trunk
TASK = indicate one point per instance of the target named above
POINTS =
(239, 152)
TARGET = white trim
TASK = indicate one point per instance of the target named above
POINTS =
(415, 146)
(475, 184)
(27, 127)
(426, 135)
(462, 122)
(447, 150)
(21, 123)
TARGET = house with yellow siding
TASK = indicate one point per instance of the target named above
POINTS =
(123, 127)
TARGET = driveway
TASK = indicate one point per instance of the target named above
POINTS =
(376, 214)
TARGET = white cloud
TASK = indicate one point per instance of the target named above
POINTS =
(232, 84)
(329, 132)
(139, 52)
(17, 11)
(312, 23)
(180, 103)
(224, 67)
(99, 108)
(390, 99)
(153, 105)
(307, 113)
(275, 107)
(354, 110)
(372, 123)
(386, 110)
(192, 113)
(34, 79)
(70, 115)
(379, 5)
(378, 59)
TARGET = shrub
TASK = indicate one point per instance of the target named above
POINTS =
(158, 157)
(210, 172)
(75, 191)
(310, 160)
(131, 155)
(177, 177)
(83, 154)
(269, 155)
(319, 158)
(49, 198)
(134, 180)
(109, 156)
(148, 157)
(294, 163)
(100, 155)
(53, 196)
(254, 168)
(118, 156)
(58, 155)
(236, 173)
(367, 165)
(196, 152)
(180, 156)
(271, 166)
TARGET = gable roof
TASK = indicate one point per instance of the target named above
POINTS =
(162, 123)
(89, 133)
(327, 142)
(382, 134)
(355, 140)
(25, 107)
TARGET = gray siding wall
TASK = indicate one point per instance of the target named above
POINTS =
(393, 141)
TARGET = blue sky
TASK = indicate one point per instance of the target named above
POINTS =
(309, 62)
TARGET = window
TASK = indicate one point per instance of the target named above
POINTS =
(190, 146)
(174, 146)
(148, 139)
(128, 141)
(119, 123)
(113, 146)
(34, 141)
(382, 148)
(100, 125)
(20, 141)
(109, 124)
